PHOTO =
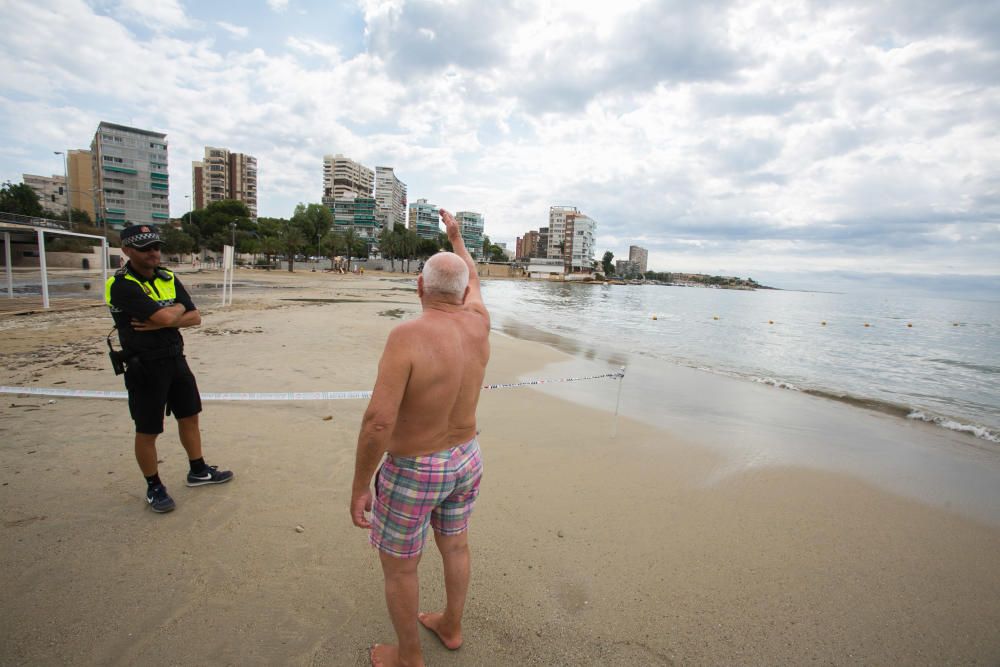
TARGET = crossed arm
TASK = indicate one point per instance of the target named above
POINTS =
(176, 315)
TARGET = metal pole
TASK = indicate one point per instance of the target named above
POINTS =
(41, 263)
(10, 271)
(621, 378)
(105, 255)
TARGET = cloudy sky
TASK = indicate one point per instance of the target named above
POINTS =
(744, 138)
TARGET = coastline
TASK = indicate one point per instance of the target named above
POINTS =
(646, 547)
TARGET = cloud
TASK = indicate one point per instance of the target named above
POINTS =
(162, 15)
(278, 5)
(239, 32)
(720, 135)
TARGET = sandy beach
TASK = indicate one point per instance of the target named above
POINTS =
(588, 548)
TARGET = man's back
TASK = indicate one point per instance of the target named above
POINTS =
(447, 354)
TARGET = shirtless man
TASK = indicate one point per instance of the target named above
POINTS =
(422, 414)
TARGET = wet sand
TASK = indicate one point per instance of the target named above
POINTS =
(650, 547)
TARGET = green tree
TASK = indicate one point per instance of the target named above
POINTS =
(609, 268)
(212, 226)
(292, 241)
(407, 244)
(388, 245)
(270, 246)
(314, 221)
(496, 254)
(427, 247)
(176, 241)
(354, 245)
(20, 199)
(443, 242)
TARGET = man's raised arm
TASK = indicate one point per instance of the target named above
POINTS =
(475, 298)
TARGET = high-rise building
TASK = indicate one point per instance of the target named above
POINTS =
(578, 236)
(390, 194)
(557, 229)
(527, 246)
(543, 243)
(626, 268)
(424, 220)
(343, 178)
(223, 174)
(357, 213)
(51, 191)
(470, 225)
(639, 256)
(82, 193)
(130, 171)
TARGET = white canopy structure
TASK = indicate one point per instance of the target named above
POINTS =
(20, 226)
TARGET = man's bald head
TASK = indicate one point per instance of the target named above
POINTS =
(445, 276)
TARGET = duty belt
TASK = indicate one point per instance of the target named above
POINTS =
(168, 352)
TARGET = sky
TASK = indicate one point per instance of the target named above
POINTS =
(734, 138)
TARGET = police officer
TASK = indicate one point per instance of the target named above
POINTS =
(150, 306)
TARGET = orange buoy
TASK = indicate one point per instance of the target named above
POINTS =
(770, 321)
(654, 316)
(867, 325)
(909, 325)
(823, 322)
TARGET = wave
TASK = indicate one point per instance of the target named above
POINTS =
(980, 432)
(893, 409)
(775, 383)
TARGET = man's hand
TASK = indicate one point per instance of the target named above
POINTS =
(450, 225)
(360, 504)
(146, 325)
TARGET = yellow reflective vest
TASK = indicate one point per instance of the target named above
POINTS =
(163, 280)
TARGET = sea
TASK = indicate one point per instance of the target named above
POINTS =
(930, 358)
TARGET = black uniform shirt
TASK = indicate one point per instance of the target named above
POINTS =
(132, 303)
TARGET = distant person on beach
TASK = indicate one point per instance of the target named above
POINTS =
(149, 305)
(422, 415)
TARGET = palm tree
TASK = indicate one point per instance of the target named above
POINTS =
(351, 240)
(291, 242)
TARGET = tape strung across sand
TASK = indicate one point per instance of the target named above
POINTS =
(276, 396)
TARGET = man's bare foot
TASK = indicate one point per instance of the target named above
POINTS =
(387, 655)
(433, 622)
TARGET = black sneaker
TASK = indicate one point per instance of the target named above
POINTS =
(159, 500)
(210, 475)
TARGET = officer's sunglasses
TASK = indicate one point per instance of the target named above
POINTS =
(147, 248)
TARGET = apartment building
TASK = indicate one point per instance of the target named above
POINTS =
(130, 172)
(557, 230)
(82, 192)
(424, 220)
(390, 194)
(223, 174)
(51, 191)
(527, 246)
(626, 268)
(359, 214)
(578, 239)
(639, 256)
(470, 225)
(343, 178)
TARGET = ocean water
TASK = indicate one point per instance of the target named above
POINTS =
(924, 358)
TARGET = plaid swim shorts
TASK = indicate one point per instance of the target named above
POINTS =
(410, 492)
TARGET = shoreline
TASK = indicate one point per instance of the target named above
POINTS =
(643, 548)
